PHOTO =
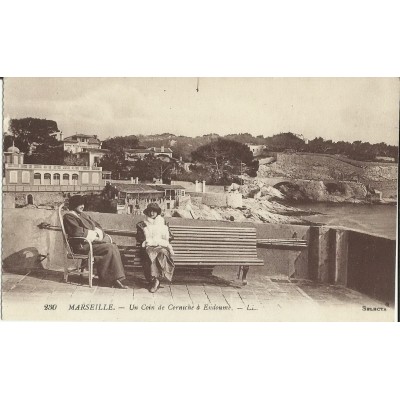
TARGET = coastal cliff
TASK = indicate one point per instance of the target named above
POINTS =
(329, 178)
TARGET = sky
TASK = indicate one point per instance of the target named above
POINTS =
(347, 109)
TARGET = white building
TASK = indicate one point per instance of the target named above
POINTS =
(79, 143)
(256, 149)
(42, 184)
(164, 153)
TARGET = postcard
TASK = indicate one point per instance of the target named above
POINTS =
(199, 199)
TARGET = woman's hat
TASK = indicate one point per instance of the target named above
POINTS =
(75, 201)
(152, 207)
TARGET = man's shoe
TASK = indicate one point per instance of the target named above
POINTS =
(119, 285)
(154, 286)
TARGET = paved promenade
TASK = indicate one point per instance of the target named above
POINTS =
(42, 294)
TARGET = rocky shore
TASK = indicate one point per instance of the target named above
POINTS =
(263, 203)
(253, 210)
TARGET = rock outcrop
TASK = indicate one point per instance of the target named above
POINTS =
(253, 210)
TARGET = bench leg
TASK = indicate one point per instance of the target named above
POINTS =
(244, 269)
(90, 263)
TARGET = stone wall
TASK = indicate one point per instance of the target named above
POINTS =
(334, 255)
(354, 259)
(45, 199)
(214, 199)
(379, 172)
(40, 199)
(234, 200)
(224, 199)
(366, 170)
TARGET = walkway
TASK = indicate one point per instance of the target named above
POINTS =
(42, 294)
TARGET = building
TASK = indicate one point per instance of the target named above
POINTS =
(38, 184)
(133, 197)
(256, 149)
(58, 135)
(383, 158)
(92, 156)
(79, 143)
(85, 147)
(164, 153)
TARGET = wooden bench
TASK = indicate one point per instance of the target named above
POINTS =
(204, 247)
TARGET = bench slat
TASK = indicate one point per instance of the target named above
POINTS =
(204, 247)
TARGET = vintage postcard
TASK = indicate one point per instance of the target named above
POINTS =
(199, 199)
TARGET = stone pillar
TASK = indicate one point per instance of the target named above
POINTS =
(328, 255)
(196, 189)
(318, 254)
(339, 255)
(204, 187)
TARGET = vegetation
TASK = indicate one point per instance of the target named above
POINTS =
(33, 137)
(151, 167)
(216, 159)
(119, 143)
(225, 159)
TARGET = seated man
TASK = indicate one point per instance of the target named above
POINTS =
(107, 259)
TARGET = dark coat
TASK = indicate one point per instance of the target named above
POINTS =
(79, 225)
(107, 258)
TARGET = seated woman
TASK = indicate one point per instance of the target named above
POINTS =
(107, 259)
(153, 236)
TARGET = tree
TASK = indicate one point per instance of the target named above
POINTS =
(72, 159)
(285, 141)
(225, 158)
(33, 137)
(151, 167)
(47, 155)
(30, 133)
(115, 160)
(115, 163)
(119, 143)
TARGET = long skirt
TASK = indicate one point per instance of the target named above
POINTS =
(107, 261)
(157, 263)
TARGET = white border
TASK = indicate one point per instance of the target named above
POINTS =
(181, 38)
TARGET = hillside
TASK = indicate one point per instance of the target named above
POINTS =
(323, 167)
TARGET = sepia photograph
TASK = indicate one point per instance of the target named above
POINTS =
(200, 199)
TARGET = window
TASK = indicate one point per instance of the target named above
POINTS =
(95, 178)
(15, 159)
(65, 180)
(13, 177)
(85, 178)
(56, 179)
(37, 179)
(26, 177)
(74, 179)
(47, 179)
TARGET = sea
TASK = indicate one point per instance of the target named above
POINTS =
(377, 219)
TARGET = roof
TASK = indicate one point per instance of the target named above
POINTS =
(73, 139)
(135, 188)
(95, 151)
(13, 149)
(163, 187)
(149, 150)
(136, 151)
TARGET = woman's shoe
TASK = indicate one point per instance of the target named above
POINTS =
(119, 285)
(154, 286)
